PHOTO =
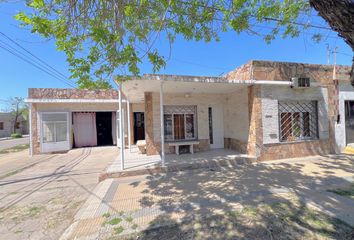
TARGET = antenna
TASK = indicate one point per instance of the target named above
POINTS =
(335, 55)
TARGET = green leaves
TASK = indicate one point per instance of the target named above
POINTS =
(106, 38)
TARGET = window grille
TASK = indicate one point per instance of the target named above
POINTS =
(298, 120)
(180, 122)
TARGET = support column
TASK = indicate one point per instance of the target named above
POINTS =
(129, 132)
(162, 127)
(30, 130)
(121, 133)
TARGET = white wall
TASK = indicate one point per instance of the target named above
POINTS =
(270, 116)
(75, 107)
(346, 92)
(236, 115)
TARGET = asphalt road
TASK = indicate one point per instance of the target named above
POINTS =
(13, 142)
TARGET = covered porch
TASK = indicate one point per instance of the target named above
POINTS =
(137, 163)
(210, 113)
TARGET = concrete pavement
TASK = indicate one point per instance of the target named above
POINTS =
(40, 201)
(13, 142)
(142, 202)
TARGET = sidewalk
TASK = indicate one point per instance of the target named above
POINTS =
(137, 203)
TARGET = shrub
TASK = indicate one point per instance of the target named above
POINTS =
(16, 135)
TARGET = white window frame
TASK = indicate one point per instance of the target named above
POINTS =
(184, 119)
(54, 146)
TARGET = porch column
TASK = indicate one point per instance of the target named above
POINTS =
(129, 132)
(162, 127)
(121, 133)
(30, 129)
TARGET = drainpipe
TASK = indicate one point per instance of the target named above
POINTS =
(30, 130)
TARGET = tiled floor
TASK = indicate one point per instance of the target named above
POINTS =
(144, 201)
(135, 160)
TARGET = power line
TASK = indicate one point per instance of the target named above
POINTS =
(25, 56)
(17, 44)
(34, 65)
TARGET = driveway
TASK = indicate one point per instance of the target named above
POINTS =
(13, 142)
(39, 202)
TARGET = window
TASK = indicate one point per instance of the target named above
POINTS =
(1, 125)
(54, 127)
(180, 122)
(17, 125)
(298, 120)
(304, 82)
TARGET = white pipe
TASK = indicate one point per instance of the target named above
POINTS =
(262, 82)
(129, 132)
(121, 133)
(162, 127)
(30, 130)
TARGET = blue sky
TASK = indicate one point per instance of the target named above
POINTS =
(187, 58)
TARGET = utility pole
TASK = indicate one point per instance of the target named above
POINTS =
(335, 55)
(328, 54)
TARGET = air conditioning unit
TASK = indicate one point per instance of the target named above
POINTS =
(302, 82)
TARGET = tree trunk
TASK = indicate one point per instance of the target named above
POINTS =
(339, 14)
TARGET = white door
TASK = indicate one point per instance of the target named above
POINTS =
(54, 131)
(216, 121)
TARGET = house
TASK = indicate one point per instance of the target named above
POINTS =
(269, 110)
(7, 121)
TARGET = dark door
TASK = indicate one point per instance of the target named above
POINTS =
(139, 126)
(349, 121)
(104, 128)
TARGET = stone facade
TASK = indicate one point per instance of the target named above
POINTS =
(151, 146)
(58, 93)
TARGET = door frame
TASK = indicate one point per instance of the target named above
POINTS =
(218, 126)
(134, 125)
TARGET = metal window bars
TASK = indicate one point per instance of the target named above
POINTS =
(298, 120)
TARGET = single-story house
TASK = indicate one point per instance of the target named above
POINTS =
(269, 110)
(7, 122)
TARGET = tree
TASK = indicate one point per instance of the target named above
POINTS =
(105, 37)
(18, 108)
(340, 16)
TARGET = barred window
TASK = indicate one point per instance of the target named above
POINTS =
(180, 122)
(298, 120)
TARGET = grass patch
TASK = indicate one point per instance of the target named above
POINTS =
(106, 215)
(114, 221)
(129, 219)
(118, 230)
(17, 148)
(35, 210)
(346, 192)
(286, 220)
(135, 226)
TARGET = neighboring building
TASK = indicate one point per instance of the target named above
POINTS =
(268, 110)
(7, 121)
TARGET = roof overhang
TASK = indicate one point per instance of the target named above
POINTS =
(51, 100)
(134, 89)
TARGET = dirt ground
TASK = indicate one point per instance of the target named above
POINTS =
(39, 202)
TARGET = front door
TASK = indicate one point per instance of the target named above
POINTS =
(216, 126)
(139, 126)
(104, 128)
(349, 121)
